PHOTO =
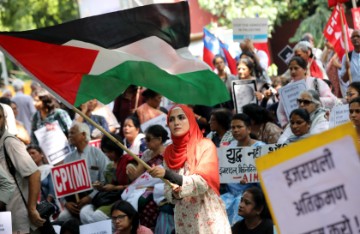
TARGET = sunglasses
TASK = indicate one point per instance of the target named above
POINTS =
(306, 102)
(357, 111)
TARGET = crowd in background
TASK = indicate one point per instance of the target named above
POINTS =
(138, 201)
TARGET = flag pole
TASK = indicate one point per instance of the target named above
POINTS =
(137, 97)
(345, 39)
(118, 143)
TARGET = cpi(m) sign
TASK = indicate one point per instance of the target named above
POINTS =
(71, 178)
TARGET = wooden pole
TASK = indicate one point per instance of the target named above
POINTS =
(343, 32)
(137, 97)
(116, 141)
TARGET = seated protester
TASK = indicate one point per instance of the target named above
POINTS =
(154, 211)
(310, 101)
(241, 130)
(262, 123)
(300, 125)
(353, 91)
(151, 108)
(125, 219)
(96, 162)
(140, 194)
(71, 226)
(87, 108)
(255, 214)
(219, 122)
(47, 191)
(116, 180)
(134, 139)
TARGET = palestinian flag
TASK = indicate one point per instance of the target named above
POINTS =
(100, 56)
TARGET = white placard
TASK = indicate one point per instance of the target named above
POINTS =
(339, 115)
(158, 120)
(102, 227)
(239, 163)
(5, 222)
(289, 94)
(53, 142)
(243, 93)
(317, 191)
(255, 29)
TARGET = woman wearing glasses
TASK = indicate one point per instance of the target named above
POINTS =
(310, 101)
(126, 220)
(298, 68)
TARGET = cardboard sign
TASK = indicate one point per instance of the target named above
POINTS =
(102, 227)
(239, 163)
(158, 120)
(339, 115)
(243, 93)
(289, 94)
(5, 222)
(95, 143)
(53, 142)
(255, 29)
(71, 178)
(312, 186)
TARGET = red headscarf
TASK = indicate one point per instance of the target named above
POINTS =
(204, 163)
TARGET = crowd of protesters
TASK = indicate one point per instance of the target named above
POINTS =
(183, 152)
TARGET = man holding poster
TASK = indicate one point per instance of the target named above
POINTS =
(96, 161)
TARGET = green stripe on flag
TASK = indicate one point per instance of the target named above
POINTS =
(201, 87)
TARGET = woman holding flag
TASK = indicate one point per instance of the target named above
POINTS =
(191, 165)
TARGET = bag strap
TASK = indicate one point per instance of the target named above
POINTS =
(12, 170)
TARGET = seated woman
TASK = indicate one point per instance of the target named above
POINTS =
(116, 181)
(219, 122)
(133, 137)
(256, 217)
(354, 108)
(300, 125)
(154, 211)
(262, 123)
(241, 130)
(125, 219)
(310, 101)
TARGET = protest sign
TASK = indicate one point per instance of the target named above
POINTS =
(159, 120)
(339, 115)
(71, 178)
(311, 186)
(236, 163)
(243, 93)
(5, 222)
(286, 54)
(95, 143)
(255, 29)
(53, 142)
(102, 227)
(289, 94)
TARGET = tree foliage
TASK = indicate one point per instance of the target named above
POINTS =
(18, 15)
(313, 13)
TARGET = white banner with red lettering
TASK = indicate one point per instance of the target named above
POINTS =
(71, 178)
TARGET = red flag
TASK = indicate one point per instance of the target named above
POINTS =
(333, 32)
(332, 3)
